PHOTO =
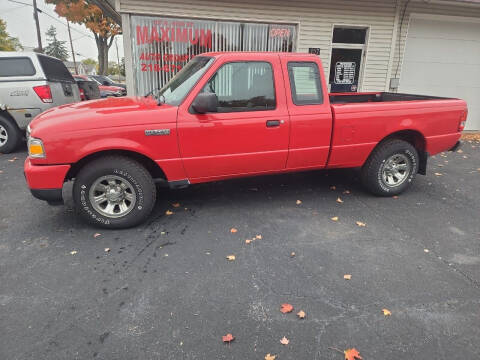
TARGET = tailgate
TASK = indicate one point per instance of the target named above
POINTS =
(64, 93)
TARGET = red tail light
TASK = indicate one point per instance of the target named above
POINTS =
(44, 93)
(463, 120)
(82, 94)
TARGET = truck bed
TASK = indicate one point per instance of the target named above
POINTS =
(349, 98)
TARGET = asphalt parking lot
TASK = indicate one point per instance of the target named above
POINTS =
(165, 290)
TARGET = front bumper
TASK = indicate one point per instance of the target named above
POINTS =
(46, 181)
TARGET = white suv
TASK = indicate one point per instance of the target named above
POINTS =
(30, 83)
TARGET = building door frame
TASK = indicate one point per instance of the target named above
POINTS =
(363, 47)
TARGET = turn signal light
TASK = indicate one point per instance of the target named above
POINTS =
(463, 120)
(44, 93)
(35, 148)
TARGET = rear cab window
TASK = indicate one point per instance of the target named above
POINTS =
(55, 70)
(16, 66)
(305, 83)
(243, 86)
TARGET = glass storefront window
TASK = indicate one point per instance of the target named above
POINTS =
(162, 46)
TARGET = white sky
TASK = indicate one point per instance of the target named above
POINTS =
(20, 24)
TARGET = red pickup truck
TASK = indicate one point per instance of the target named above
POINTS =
(227, 115)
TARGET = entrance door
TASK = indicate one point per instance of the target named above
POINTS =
(345, 70)
(248, 133)
(346, 64)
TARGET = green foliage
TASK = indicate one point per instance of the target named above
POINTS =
(7, 42)
(89, 61)
(55, 47)
(114, 69)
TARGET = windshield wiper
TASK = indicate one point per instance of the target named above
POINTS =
(160, 100)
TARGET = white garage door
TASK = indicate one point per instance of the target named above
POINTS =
(442, 58)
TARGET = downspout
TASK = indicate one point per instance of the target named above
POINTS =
(393, 44)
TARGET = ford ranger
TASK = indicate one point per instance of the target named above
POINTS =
(227, 115)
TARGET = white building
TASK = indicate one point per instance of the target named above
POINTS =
(414, 46)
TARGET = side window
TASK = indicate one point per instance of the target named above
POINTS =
(305, 83)
(16, 66)
(243, 86)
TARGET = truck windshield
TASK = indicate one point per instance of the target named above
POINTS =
(180, 85)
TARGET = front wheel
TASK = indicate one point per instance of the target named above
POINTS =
(114, 192)
(391, 168)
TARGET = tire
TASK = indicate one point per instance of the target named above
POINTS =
(391, 168)
(10, 136)
(124, 188)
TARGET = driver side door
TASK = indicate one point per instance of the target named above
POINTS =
(249, 132)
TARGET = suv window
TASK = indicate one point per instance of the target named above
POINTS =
(243, 86)
(54, 69)
(16, 66)
(305, 83)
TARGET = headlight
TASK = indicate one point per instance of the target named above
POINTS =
(35, 148)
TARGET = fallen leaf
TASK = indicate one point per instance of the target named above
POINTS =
(284, 341)
(230, 257)
(270, 357)
(1, 171)
(346, 192)
(107, 249)
(460, 151)
(228, 338)
(299, 202)
(248, 241)
(168, 212)
(347, 276)
(301, 314)
(333, 187)
(286, 308)
(386, 312)
(73, 252)
(352, 354)
(176, 205)
(339, 200)
(335, 218)
(233, 230)
(96, 235)
(438, 174)
(395, 196)
(426, 250)
(292, 254)
(259, 237)
(13, 159)
(361, 224)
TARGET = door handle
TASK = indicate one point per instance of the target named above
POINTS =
(273, 123)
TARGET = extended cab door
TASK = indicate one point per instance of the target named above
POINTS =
(248, 133)
(310, 113)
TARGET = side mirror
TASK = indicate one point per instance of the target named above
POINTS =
(105, 83)
(205, 103)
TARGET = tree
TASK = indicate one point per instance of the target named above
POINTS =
(55, 47)
(104, 28)
(7, 42)
(89, 61)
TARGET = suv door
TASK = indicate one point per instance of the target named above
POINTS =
(62, 85)
(249, 131)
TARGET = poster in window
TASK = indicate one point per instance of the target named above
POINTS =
(345, 72)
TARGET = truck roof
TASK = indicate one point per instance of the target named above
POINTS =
(262, 54)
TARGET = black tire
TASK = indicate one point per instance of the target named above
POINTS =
(376, 167)
(12, 133)
(139, 183)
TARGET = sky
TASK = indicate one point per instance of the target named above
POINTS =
(20, 24)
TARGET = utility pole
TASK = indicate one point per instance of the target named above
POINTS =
(35, 16)
(71, 46)
(118, 61)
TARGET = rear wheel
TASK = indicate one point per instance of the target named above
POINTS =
(9, 136)
(114, 192)
(391, 168)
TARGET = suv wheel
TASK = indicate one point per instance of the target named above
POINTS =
(391, 168)
(9, 136)
(114, 192)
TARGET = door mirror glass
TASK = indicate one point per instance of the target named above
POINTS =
(205, 103)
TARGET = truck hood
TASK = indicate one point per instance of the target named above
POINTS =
(103, 113)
